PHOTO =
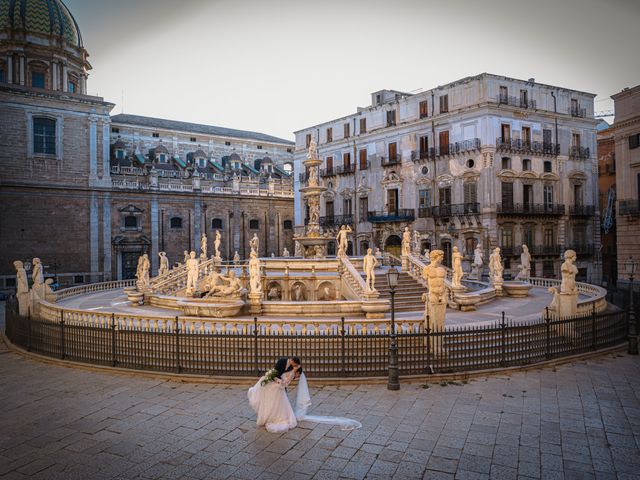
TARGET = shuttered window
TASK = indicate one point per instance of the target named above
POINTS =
(44, 135)
(470, 192)
(444, 104)
(424, 109)
(507, 194)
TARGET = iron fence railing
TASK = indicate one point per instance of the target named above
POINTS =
(529, 209)
(336, 220)
(519, 102)
(400, 215)
(458, 209)
(526, 146)
(335, 352)
(579, 152)
(582, 210)
(446, 149)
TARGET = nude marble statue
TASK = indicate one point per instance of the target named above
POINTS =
(369, 264)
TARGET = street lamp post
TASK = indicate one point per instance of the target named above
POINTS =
(631, 266)
(393, 382)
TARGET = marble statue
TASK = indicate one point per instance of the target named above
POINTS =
(193, 271)
(254, 243)
(298, 293)
(216, 244)
(378, 252)
(145, 270)
(297, 251)
(22, 288)
(185, 257)
(203, 246)
(236, 258)
(496, 269)
(37, 276)
(318, 251)
(285, 253)
(274, 293)
(456, 262)
(273, 254)
(416, 242)
(312, 154)
(235, 182)
(231, 286)
(477, 256)
(213, 284)
(369, 264)
(164, 263)
(569, 272)
(525, 264)
(49, 294)
(342, 239)
(435, 276)
(326, 294)
(255, 276)
(313, 177)
(406, 242)
(425, 254)
(271, 186)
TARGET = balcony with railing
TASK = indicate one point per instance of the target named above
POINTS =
(390, 161)
(541, 250)
(424, 212)
(333, 220)
(582, 210)
(578, 112)
(529, 209)
(447, 149)
(327, 172)
(364, 165)
(401, 215)
(518, 102)
(629, 208)
(457, 209)
(579, 152)
(523, 146)
(581, 248)
(345, 169)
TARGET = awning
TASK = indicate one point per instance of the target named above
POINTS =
(140, 158)
(216, 165)
(250, 168)
(179, 161)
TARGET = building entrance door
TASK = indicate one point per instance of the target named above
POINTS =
(129, 264)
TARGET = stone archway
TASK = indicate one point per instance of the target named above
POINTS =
(393, 245)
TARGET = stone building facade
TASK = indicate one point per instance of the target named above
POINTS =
(626, 136)
(88, 193)
(485, 159)
(607, 187)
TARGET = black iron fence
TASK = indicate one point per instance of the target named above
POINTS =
(338, 351)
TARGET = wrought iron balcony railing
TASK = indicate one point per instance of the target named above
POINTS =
(390, 161)
(336, 220)
(581, 248)
(364, 165)
(579, 152)
(516, 102)
(629, 207)
(449, 149)
(345, 169)
(457, 209)
(582, 210)
(578, 112)
(540, 250)
(401, 215)
(529, 209)
(523, 146)
(424, 212)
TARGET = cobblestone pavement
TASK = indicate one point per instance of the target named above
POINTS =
(574, 421)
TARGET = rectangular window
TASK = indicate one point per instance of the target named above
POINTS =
(527, 195)
(470, 193)
(363, 125)
(577, 195)
(524, 98)
(505, 132)
(227, 143)
(528, 236)
(363, 209)
(574, 106)
(424, 109)
(526, 164)
(155, 135)
(71, 87)
(44, 136)
(329, 165)
(347, 130)
(424, 198)
(329, 135)
(393, 152)
(424, 146)
(575, 139)
(526, 136)
(507, 194)
(308, 140)
(504, 94)
(392, 195)
(37, 79)
(362, 157)
(329, 209)
(634, 141)
(192, 139)
(445, 195)
(391, 118)
(444, 103)
(346, 160)
(259, 147)
(547, 192)
(120, 154)
(346, 206)
(444, 142)
(506, 238)
(506, 163)
(115, 130)
(548, 237)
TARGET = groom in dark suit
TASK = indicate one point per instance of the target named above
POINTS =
(286, 364)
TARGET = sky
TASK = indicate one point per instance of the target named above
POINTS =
(277, 66)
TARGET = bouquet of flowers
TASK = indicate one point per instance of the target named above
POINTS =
(270, 376)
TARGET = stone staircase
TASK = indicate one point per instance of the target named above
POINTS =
(409, 292)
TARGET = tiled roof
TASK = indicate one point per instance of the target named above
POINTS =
(163, 124)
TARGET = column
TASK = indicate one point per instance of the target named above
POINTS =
(54, 76)
(65, 79)
(106, 235)
(154, 235)
(93, 236)
(106, 175)
(21, 72)
(9, 68)
(93, 148)
(197, 220)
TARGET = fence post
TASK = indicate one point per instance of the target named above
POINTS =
(255, 344)
(503, 327)
(113, 340)
(547, 321)
(177, 335)
(28, 332)
(62, 334)
(593, 327)
(342, 350)
(428, 338)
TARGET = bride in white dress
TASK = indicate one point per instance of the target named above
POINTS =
(270, 402)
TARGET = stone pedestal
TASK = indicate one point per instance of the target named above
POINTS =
(372, 306)
(23, 304)
(437, 313)
(255, 303)
(497, 284)
(567, 305)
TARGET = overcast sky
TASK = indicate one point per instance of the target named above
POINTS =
(276, 66)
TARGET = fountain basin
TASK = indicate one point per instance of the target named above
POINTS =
(205, 307)
(516, 289)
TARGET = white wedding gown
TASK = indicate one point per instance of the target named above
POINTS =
(271, 404)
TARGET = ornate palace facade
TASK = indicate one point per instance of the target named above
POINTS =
(88, 193)
(486, 159)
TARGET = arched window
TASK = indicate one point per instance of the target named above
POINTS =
(44, 135)
(288, 225)
(176, 222)
(254, 224)
(216, 224)
(130, 221)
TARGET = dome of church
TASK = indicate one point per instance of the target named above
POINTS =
(40, 17)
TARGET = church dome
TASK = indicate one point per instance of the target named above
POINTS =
(49, 18)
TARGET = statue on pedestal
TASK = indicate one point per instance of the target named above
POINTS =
(378, 252)
(406, 242)
(193, 272)
(164, 263)
(228, 287)
(525, 264)
(298, 251)
(369, 264)
(37, 276)
(456, 261)
(271, 187)
(254, 243)
(435, 276)
(478, 261)
(235, 185)
(416, 242)
(569, 272)
(203, 246)
(22, 288)
(285, 253)
(185, 257)
(49, 294)
(236, 258)
(216, 244)
(342, 239)
(312, 154)
(255, 276)
(142, 272)
(496, 269)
